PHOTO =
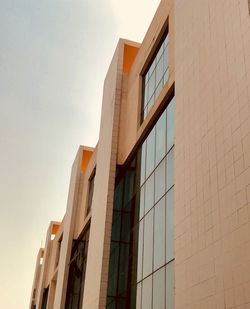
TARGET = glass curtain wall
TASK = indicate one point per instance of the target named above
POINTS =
(141, 270)
(155, 271)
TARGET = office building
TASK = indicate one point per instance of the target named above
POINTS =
(158, 213)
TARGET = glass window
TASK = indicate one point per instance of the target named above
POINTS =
(170, 169)
(147, 293)
(123, 268)
(113, 268)
(160, 187)
(138, 296)
(129, 186)
(149, 193)
(170, 225)
(170, 124)
(143, 162)
(91, 191)
(159, 234)
(160, 140)
(156, 76)
(150, 153)
(148, 244)
(118, 195)
(142, 194)
(170, 286)
(140, 252)
(159, 71)
(159, 289)
(116, 225)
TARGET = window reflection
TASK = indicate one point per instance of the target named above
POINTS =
(156, 238)
(160, 187)
(147, 293)
(156, 76)
(159, 289)
(159, 234)
(149, 193)
(160, 149)
(148, 244)
(150, 153)
(170, 169)
(170, 225)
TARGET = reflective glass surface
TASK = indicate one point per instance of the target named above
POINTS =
(147, 293)
(148, 244)
(159, 234)
(160, 187)
(156, 238)
(156, 76)
(159, 289)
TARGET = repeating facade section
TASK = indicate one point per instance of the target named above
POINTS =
(158, 213)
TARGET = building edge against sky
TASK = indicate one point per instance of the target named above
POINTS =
(158, 213)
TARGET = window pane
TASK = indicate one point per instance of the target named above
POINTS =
(165, 77)
(160, 187)
(145, 112)
(138, 296)
(145, 101)
(148, 244)
(170, 225)
(151, 69)
(160, 139)
(150, 103)
(159, 71)
(123, 268)
(170, 169)
(140, 251)
(159, 54)
(149, 193)
(143, 162)
(151, 85)
(118, 195)
(170, 124)
(155, 77)
(170, 286)
(150, 157)
(165, 59)
(147, 293)
(159, 289)
(159, 234)
(142, 202)
(129, 186)
(116, 225)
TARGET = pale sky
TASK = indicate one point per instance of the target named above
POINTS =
(54, 55)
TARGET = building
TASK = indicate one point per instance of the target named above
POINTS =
(158, 214)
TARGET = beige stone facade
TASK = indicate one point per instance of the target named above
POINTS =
(195, 55)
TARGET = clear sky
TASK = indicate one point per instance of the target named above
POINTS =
(54, 55)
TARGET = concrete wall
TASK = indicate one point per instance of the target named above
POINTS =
(95, 290)
(68, 232)
(212, 185)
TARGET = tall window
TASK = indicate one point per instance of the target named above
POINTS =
(156, 76)
(77, 268)
(91, 190)
(141, 268)
(155, 271)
